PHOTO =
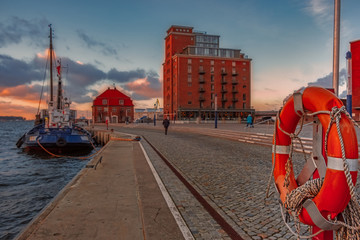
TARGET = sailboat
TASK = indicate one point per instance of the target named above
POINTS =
(55, 130)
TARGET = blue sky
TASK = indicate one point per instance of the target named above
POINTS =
(121, 42)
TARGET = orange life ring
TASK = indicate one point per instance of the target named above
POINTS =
(334, 194)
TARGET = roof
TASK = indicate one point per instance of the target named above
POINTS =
(112, 96)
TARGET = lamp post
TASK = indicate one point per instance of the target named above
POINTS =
(154, 114)
(215, 110)
(349, 84)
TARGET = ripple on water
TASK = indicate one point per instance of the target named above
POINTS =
(27, 182)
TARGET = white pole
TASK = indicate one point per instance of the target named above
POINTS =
(337, 4)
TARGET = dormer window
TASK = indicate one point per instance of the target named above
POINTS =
(104, 101)
(121, 102)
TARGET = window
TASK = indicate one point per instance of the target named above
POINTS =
(244, 78)
(212, 69)
(104, 101)
(212, 96)
(233, 64)
(244, 69)
(212, 62)
(189, 93)
(121, 102)
(189, 78)
(105, 109)
(189, 84)
(201, 60)
(99, 109)
(244, 86)
(189, 102)
(212, 87)
(212, 78)
(114, 110)
(244, 63)
(244, 96)
(244, 105)
(223, 62)
(189, 68)
(189, 61)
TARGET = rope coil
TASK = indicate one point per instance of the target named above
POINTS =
(295, 199)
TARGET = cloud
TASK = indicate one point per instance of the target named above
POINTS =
(125, 76)
(93, 44)
(322, 11)
(24, 92)
(17, 110)
(15, 72)
(326, 81)
(17, 29)
(145, 88)
(19, 80)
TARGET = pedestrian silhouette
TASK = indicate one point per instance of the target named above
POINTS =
(166, 124)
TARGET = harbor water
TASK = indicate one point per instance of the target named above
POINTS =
(28, 182)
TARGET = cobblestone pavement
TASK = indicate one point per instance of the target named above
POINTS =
(232, 176)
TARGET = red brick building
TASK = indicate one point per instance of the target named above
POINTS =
(355, 78)
(114, 106)
(197, 71)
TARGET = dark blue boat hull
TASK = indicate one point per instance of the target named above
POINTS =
(58, 140)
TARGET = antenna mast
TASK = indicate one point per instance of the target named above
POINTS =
(51, 66)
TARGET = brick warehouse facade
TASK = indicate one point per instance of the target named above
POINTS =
(114, 106)
(196, 72)
(355, 78)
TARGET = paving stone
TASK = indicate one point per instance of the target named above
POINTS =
(233, 175)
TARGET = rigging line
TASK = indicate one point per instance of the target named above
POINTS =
(42, 87)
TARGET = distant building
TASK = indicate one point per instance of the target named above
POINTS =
(355, 78)
(114, 106)
(197, 72)
(149, 113)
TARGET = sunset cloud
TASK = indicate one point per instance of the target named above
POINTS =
(21, 80)
(23, 92)
(10, 109)
(15, 72)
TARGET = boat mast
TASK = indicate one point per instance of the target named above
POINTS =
(51, 66)
(59, 95)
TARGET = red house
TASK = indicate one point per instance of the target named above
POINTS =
(114, 106)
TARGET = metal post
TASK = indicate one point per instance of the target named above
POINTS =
(337, 4)
(215, 110)
(349, 83)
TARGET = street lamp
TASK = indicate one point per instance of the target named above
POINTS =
(215, 110)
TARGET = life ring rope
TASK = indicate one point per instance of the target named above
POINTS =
(352, 211)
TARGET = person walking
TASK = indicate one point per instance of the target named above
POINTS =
(166, 124)
(249, 121)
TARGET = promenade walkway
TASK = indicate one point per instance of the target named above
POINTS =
(119, 199)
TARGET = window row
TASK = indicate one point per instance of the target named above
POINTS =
(105, 102)
(113, 109)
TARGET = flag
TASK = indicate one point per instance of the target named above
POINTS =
(58, 69)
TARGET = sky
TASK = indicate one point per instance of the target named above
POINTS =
(102, 43)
